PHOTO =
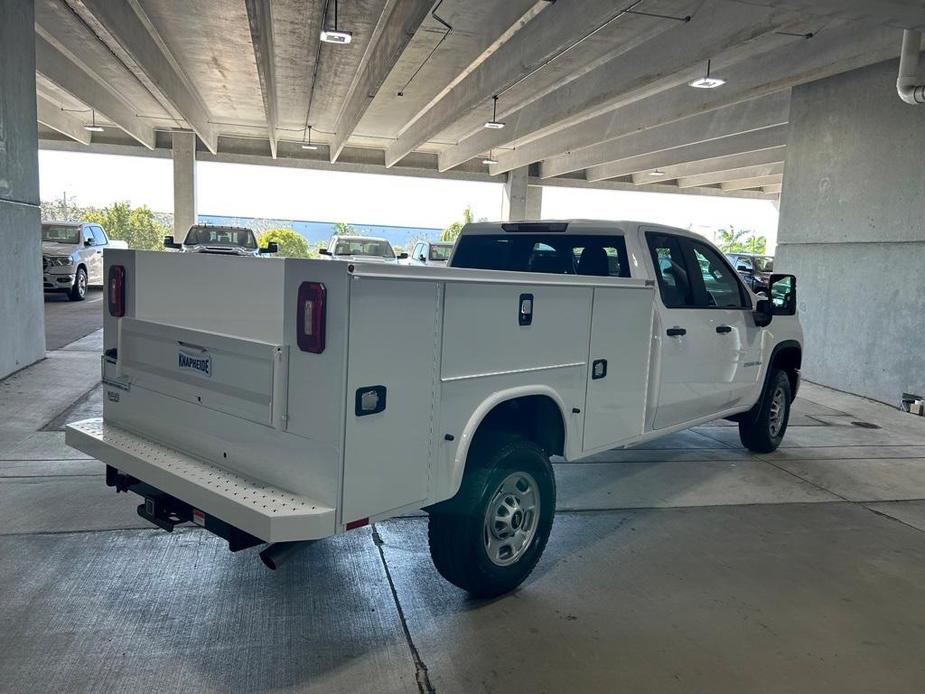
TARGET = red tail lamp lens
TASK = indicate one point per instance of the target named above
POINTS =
(115, 291)
(311, 319)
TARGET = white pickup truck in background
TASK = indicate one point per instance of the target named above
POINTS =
(72, 257)
(305, 398)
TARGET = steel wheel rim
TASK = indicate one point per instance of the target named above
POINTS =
(511, 518)
(81, 283)
(776, 416)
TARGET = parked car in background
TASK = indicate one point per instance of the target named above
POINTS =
(362, 249)
(72, 256)
(431, 253)
(755, 270)
(219, 240)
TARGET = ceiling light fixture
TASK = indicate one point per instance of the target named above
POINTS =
(308, 145)
(93, 127)
(489, 160)
(658, 173)
(494, 123)
(707, 82)
(333, 35)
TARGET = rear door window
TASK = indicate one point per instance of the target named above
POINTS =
(561, 254)
(674, 282)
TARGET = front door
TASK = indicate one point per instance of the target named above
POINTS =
(704, 338)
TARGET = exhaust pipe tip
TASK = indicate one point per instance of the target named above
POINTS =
(276, 554)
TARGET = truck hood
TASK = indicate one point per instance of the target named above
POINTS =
(220, 250)
(53, 248)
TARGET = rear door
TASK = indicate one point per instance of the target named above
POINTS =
(95, 259)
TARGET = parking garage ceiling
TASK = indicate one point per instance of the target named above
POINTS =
(590, 92)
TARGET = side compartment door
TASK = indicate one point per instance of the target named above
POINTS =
(618, 373)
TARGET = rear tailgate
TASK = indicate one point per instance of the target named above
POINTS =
(242, 377)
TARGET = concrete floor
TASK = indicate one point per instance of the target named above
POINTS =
(689, 565)
(66, 320)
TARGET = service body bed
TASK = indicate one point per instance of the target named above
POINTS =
(210, 399)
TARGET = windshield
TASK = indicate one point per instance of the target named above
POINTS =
(764, 263)
(368, 247)
(440, 252)
(571, 254)
(60, 234)
(221, 236)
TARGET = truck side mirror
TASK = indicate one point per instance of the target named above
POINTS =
(783, 292)
(272, 247)
(402, 256)
(169, 243)
(422, 258)
(324, 251)
(762, 313)
(743, 268)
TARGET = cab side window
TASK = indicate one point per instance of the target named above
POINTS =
(86, 235)
(99, 236)
(674, 282)
(716, 284)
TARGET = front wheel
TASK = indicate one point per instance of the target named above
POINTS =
(762, 429)
(489, 537)
(79, 290)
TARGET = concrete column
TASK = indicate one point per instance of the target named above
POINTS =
(851, 230)
(22, 309)
(514, 200)
(184, 183)
(534, 202)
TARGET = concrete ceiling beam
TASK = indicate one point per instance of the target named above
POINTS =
(400, 20)
(768, 138)
(720, 30)
(830, 52)
(50, 114)
(260, 20)
(716, 177)
(772, 189)
(902, 14)
(546, 30)
(58, 68)
(128, 32)
(746, 116)
(749, 183)
(709, 166)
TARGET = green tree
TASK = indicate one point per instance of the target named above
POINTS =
(343, 229)
(741, 241)
(138, 226)
(454, 229)
(63, 209)
(291, 243)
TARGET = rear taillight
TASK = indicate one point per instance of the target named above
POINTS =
(115, 291)
(310, 320)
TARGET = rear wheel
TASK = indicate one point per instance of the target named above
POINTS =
(79, 290)
(762, 429)
(489, 537)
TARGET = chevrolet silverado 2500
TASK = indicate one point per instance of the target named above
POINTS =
(376, 389)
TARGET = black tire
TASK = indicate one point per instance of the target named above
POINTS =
(79, 291)
(458, 529)
(762, 429)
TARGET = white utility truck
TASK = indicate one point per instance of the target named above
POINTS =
(306, 398)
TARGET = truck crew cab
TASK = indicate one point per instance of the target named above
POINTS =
(539, 339)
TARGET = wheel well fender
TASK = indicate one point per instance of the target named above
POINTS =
(788, 356)
(536, 411)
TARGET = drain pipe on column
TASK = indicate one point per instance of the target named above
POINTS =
(909, 91)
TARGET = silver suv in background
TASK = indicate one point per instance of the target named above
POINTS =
(431, 253)
(369, 249)
(219, 240)
(72, 256)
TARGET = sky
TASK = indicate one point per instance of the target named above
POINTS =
(241, 190)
